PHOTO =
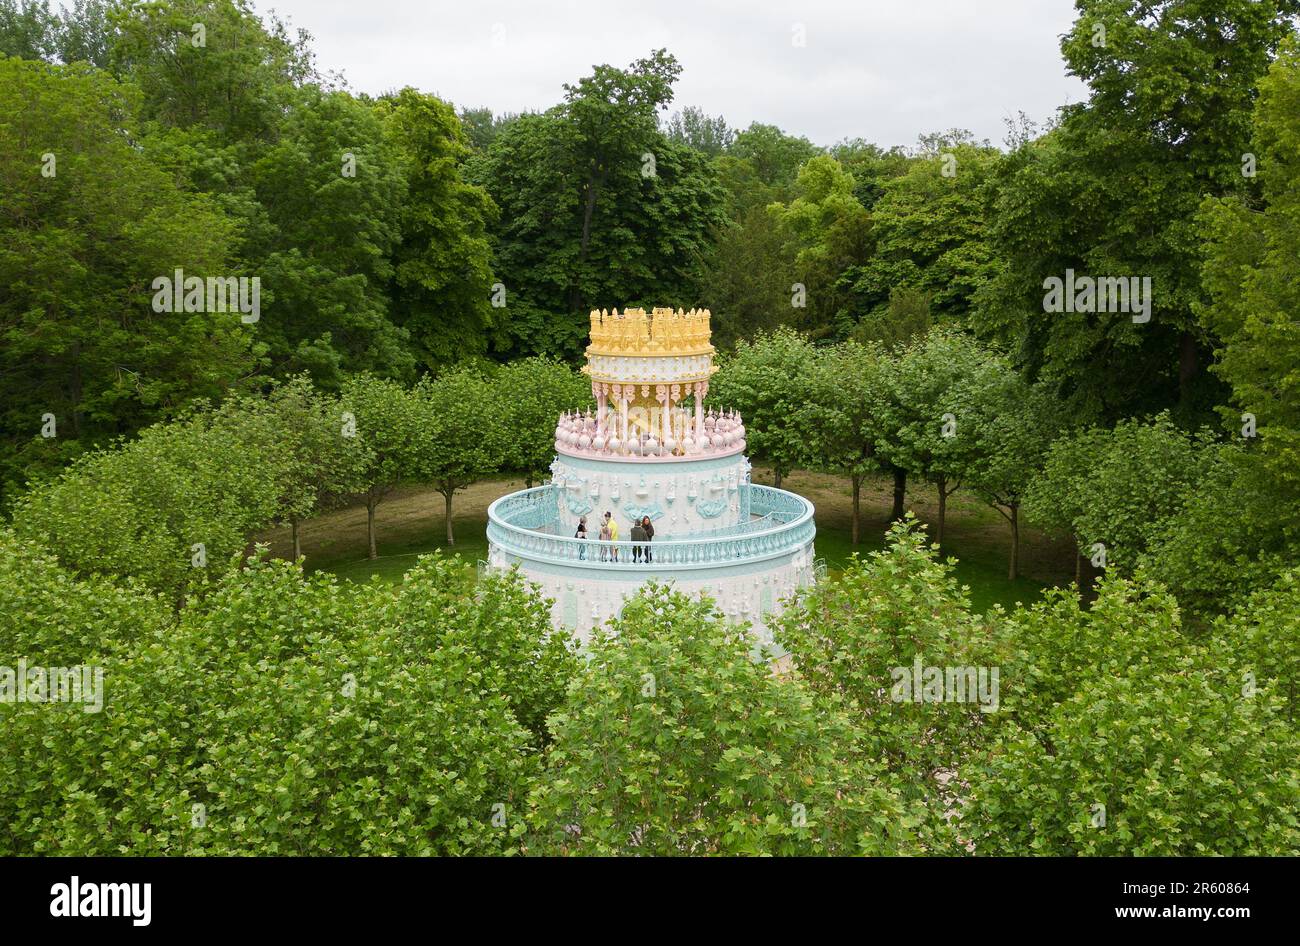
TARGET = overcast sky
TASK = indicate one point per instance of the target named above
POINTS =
(884, 70)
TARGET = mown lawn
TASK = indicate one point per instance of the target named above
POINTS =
(411, 523)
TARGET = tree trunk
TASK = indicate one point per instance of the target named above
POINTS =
(1014, 572)
(76, 389)
(900, 494)
(943, 509)
(776, 477)
(588, 213)
(297, 542)
(857, 497)
(451, 539)
(1187, 367)
(1078, 569)
(371, 503)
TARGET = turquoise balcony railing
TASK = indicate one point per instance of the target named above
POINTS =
(522, 524)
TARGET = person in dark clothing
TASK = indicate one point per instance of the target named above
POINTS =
(649, 535)
(581, 534)
(638, 535)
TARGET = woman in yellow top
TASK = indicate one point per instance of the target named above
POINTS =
(613, 531)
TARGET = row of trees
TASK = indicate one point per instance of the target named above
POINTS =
(940, 409)
(179, 501)
(1211, 514)
(1201, 511)
(282, 714)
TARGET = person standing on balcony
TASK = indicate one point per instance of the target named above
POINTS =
(581, 534)
(612, 524)
(649, 530)
(638, 536)
(604, 537)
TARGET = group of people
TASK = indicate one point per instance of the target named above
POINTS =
(642, 532)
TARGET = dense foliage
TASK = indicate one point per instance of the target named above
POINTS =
(675, 740)
(425, 272)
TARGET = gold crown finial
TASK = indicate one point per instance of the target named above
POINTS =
(661, 332)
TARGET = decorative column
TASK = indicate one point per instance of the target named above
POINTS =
(598, 392)
(700, 388)
(674, 395)
(662, 396)
(621, 391)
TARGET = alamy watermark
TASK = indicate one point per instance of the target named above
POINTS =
(1127, 294)
(921, 684)
(181, 293)
(133, 900)
(79, 684)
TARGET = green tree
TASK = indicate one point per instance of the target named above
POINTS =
(482, 127)
(232, 79)
(44, 611)
(1118, 486)
(462, 438)
(323, 457)
(1228, 537)
(372, 749)
(859, 635)
(872, 167)
(906, 318)
(1007, 449)
(444, 603)
(442, 264)
(372, 745)
(598, 207)
(86, 33)
(937, 386)
(747, 276)
(767, 381)
(392, 426)
(327, 252)
(1120, 725)
(929, 231)
(1264, 633)
(1113, 192)
(675, 740)
(827, 231)
(28, 29)
(1253, 301)
(87, 223)
(836, 427)
(170, 508)
(529, 395)
(774, 156)
(705, 133)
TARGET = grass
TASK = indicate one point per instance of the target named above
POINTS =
(977, 537)
(987, 580)
(411, 523)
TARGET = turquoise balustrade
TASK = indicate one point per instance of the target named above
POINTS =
(517, 525)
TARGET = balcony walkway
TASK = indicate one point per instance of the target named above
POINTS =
(523, 523)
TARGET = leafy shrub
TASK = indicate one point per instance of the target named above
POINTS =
(500, 618)
(676, 741)
(887, 611)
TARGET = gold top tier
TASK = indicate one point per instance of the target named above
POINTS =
(662, 333)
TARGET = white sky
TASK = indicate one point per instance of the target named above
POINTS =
(884, 70)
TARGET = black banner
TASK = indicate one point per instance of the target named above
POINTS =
(211, 896)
